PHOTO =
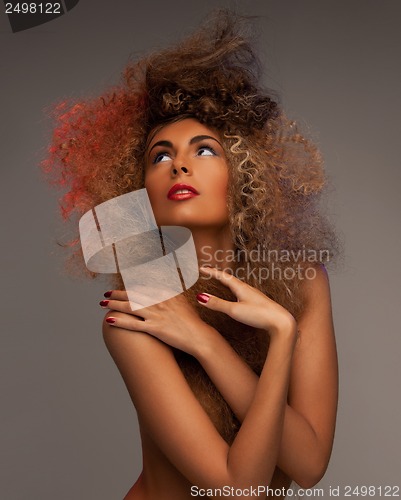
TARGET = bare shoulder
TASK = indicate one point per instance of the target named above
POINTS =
(316, 318)
(134, 352)
(316, 287)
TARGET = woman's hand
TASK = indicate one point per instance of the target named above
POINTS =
(252, 308)
(176, 323)
(173, 321)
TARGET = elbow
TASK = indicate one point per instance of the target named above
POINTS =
(313, 476)
(307, 483)
(314, 467)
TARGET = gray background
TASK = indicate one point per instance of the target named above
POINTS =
(68, 429)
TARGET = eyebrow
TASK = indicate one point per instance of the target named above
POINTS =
(199, 138)
(194, 140)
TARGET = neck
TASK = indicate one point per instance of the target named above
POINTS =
(214, 247)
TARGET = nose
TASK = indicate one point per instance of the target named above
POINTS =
(178, 168)
(175, 171)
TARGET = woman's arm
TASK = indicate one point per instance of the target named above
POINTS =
(311, 410)
(310, 414)
(171, 412)
(313, 392)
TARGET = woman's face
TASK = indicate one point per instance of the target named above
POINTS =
(186, 176)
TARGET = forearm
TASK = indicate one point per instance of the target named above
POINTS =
(150, 370)
(232, 376)
(253, 455)
(271, 433)
(299, 451)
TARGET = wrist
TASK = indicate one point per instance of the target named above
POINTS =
(208, 338)
(286, 328)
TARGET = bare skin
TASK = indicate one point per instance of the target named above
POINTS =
(308, 425)
(287, 414)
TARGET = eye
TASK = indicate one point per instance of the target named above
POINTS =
(206, 151)
(161, 157)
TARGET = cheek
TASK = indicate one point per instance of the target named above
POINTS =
(220, 185)
(217, 196)
(153, 193)
(153, 185)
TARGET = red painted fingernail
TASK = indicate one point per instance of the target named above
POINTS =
(202, 297)
(104, 303)
(111, 320)
(108, 294)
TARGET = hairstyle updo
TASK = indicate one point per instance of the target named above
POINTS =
(212, 77)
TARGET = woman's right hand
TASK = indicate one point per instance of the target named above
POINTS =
(173, 321)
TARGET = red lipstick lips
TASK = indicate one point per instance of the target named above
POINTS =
(182, 192)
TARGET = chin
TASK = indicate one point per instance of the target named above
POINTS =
(191, 222)
(184, 216)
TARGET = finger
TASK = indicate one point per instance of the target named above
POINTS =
(116, 295)
(127, 307)
(127, 302)
(227, 279)
(126, 321)
(215, 303)
(144, 295)
(139, 290)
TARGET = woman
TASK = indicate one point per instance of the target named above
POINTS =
(234, 381)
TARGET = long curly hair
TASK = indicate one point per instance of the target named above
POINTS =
(276, 176)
